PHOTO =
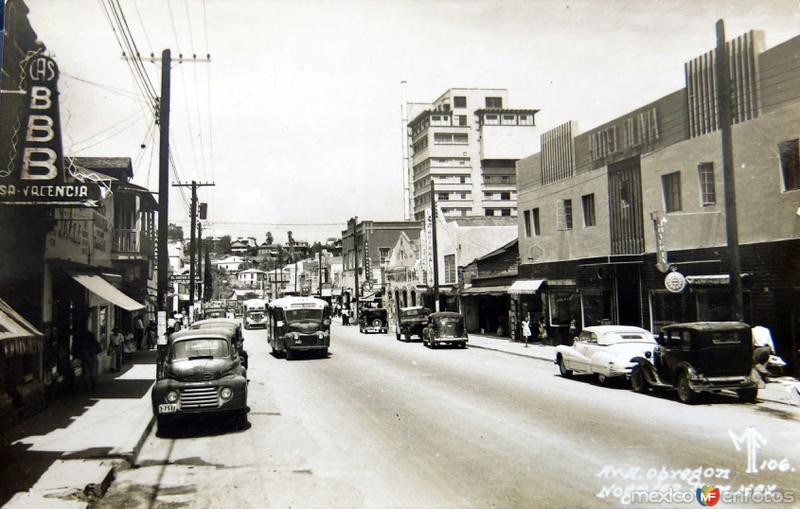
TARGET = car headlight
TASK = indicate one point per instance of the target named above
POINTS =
(226, 393)
(320, 335)
(172, 397)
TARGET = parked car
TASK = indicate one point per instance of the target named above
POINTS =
(445, 328)
(373, 320)
(700, 357)
(203, 374)
(225, 323)
(605, 351)
(411, 321)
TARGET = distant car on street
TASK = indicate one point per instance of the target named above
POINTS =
(700, 357)
(445, 328)
(605, 351)
(411, 321)
(203, 374)
(373, 320)
(230, 324)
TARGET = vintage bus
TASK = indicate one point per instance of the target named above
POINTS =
(299, 324)
(255, 313)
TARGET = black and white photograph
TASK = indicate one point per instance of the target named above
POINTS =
(399, 254)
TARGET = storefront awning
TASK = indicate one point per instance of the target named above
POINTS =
(17, 335)
(525, 286)
(486, 290)
(106, 291)
(368, 297)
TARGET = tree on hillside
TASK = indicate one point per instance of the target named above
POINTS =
(269, 238)
(316, 247)
(225, 244)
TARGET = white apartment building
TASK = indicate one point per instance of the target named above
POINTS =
(468, 141)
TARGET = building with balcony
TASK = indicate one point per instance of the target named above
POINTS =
(251, 277)
(612, 214)
(467, 142)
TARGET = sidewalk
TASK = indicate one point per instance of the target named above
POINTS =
(58, 457)
(782, 390)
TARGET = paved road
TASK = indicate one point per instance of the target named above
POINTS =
(382, 423)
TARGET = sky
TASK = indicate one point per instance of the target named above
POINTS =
(297, 118)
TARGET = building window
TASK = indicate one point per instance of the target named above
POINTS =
(384, 254)
(509, 120)
(588, 210)
(463, 196)
(790, 164)
(505, 212)
(450, 138)
(459, 101)
(565, 215)
(671, 184)
(505, 196)
(527, 216)
(462, 179)
(494, 102)
(462, 120)
(488, 212)
(491, 120)
(708, 193)
(526, 120)
(443, 196)
(535, 218)
(450, 269)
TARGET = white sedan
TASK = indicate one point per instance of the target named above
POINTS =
(605, 350)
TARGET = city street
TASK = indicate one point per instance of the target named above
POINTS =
(381, 423)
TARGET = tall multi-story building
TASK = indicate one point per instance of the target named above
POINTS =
(467, 142)
(626, 223)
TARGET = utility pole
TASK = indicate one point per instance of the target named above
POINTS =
(319, 258)
(729, 181)
(200, 289)
(193, 213)
(163, 183)
(434, 248)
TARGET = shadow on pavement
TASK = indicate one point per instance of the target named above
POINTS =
(201, 426)
(21, 467)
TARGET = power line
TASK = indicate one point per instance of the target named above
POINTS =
(131, 121)
(115, 90)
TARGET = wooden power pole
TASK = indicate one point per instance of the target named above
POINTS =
(193, 228)
(163, 183)
(434, 247)
(729, 181)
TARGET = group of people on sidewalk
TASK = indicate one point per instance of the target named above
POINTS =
(342, 311)
(121, 348)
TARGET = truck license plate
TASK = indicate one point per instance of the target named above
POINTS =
(167, 409)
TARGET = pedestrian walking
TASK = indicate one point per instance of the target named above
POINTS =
(138, 332)
(151, 335)
(87, 349)
(542, 329)
(115, 348)
(130, 346)
(526, 330)
(345, 316)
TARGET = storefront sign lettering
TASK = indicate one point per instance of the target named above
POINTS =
(36, 175)
(660, 223)
(629, 132)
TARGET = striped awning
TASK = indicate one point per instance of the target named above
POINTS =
(17, 335)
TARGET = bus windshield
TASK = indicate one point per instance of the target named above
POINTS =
(296, 315)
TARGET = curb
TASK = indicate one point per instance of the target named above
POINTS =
(482, 347)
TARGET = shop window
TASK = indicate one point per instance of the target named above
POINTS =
(459, 101)
(494, 102)
(450, 269)
(790, 164)
(588, 210)
(596, 305)
(671, 186)
(527, 218)
(565, 306)
(708, 192)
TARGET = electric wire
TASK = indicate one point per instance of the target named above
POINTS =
(134, 48)
(132, 121)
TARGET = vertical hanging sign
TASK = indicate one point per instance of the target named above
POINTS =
(36, 174)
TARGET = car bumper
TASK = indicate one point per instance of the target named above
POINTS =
(721, 383)
(374, 329)
(306, 342)
(451, 339)
(199, 397)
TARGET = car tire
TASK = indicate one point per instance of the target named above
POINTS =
(602, 379)
(290, 355)
(748, 395)
(240, 420)
(324, 353)
(638, 381)
(164, 426)
(463, 344)
(562, 368)
(685, 392)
